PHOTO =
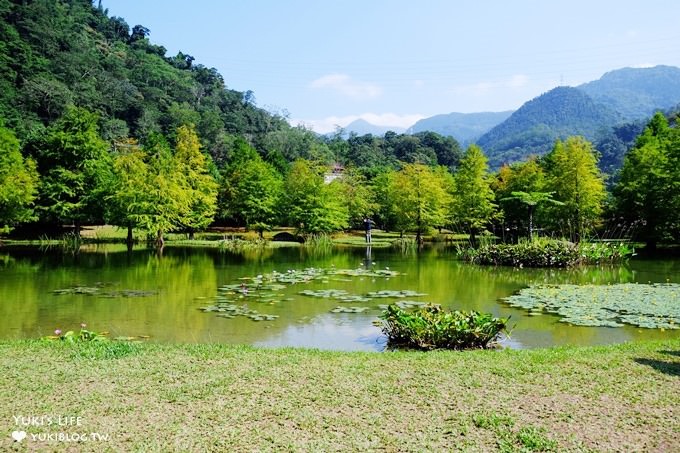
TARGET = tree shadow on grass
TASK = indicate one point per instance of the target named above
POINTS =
(675, 353)
(670, 368)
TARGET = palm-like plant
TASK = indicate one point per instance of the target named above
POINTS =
(533, 199)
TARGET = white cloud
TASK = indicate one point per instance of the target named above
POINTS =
(483, 88)
(329, 124)
(518, 81)
(344, 84)
(643, 65)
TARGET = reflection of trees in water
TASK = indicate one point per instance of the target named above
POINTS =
(5, 260)
(181, 275)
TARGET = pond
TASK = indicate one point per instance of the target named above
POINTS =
(143, 294)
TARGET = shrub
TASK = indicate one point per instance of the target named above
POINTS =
(543, 252)
(320, 240)
(236, 245)
(405, 245)
(605, 252)
(536, 253)
(94, 345)
(431, 327)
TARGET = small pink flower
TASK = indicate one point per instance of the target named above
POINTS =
(57, 332)
(83, 325)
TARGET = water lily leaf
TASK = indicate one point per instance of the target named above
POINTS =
(104, 290)
(395, 294)
(349, 309)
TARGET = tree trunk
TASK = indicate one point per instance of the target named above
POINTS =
(129, 239)
(76, 227)
(160, 242)
(191, 235)
(473, 238)
(531, 222)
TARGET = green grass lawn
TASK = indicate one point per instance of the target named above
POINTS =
(154, 397)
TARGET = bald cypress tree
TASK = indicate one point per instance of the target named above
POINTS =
(473, 203)
(578, 184)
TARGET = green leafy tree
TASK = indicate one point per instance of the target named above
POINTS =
(129, 197)
(647, 190)
(76, 169)
(252, 192)
(192, 169)
(473, 203)
(578, 183)
(418, 199)
(447, 149)
(311, 205)
(381, 185)
(358, 195)
(167, 201)
(18, 183)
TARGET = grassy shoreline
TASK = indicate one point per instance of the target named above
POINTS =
(159, 397)
(108, 234)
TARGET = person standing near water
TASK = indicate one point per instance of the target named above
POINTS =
(367, 229)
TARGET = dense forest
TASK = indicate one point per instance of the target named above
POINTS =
(100, 125)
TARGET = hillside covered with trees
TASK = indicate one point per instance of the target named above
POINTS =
(535, 126)
(636, 93)
(606, 111)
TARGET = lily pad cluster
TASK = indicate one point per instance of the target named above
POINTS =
(104, 290)
(651, 306)
(397, 294)
(266, 288)
(406, 304)
(295, 276)
(349, 309)
(338, 294)
(226, 305)
(344, 296)
(227, 310)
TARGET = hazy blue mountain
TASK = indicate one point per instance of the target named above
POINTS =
(363, 127)
(637, 93)
(464, 127)
(534, 127)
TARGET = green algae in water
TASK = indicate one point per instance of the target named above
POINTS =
(653, 306)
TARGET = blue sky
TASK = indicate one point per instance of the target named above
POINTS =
(328, 63)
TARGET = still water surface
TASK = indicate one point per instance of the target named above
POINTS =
(185, 279)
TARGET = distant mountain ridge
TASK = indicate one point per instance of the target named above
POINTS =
(464, 127)
(592, 110)
(636, 93)
(620, 100)
(363, 127)
(534, 127)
